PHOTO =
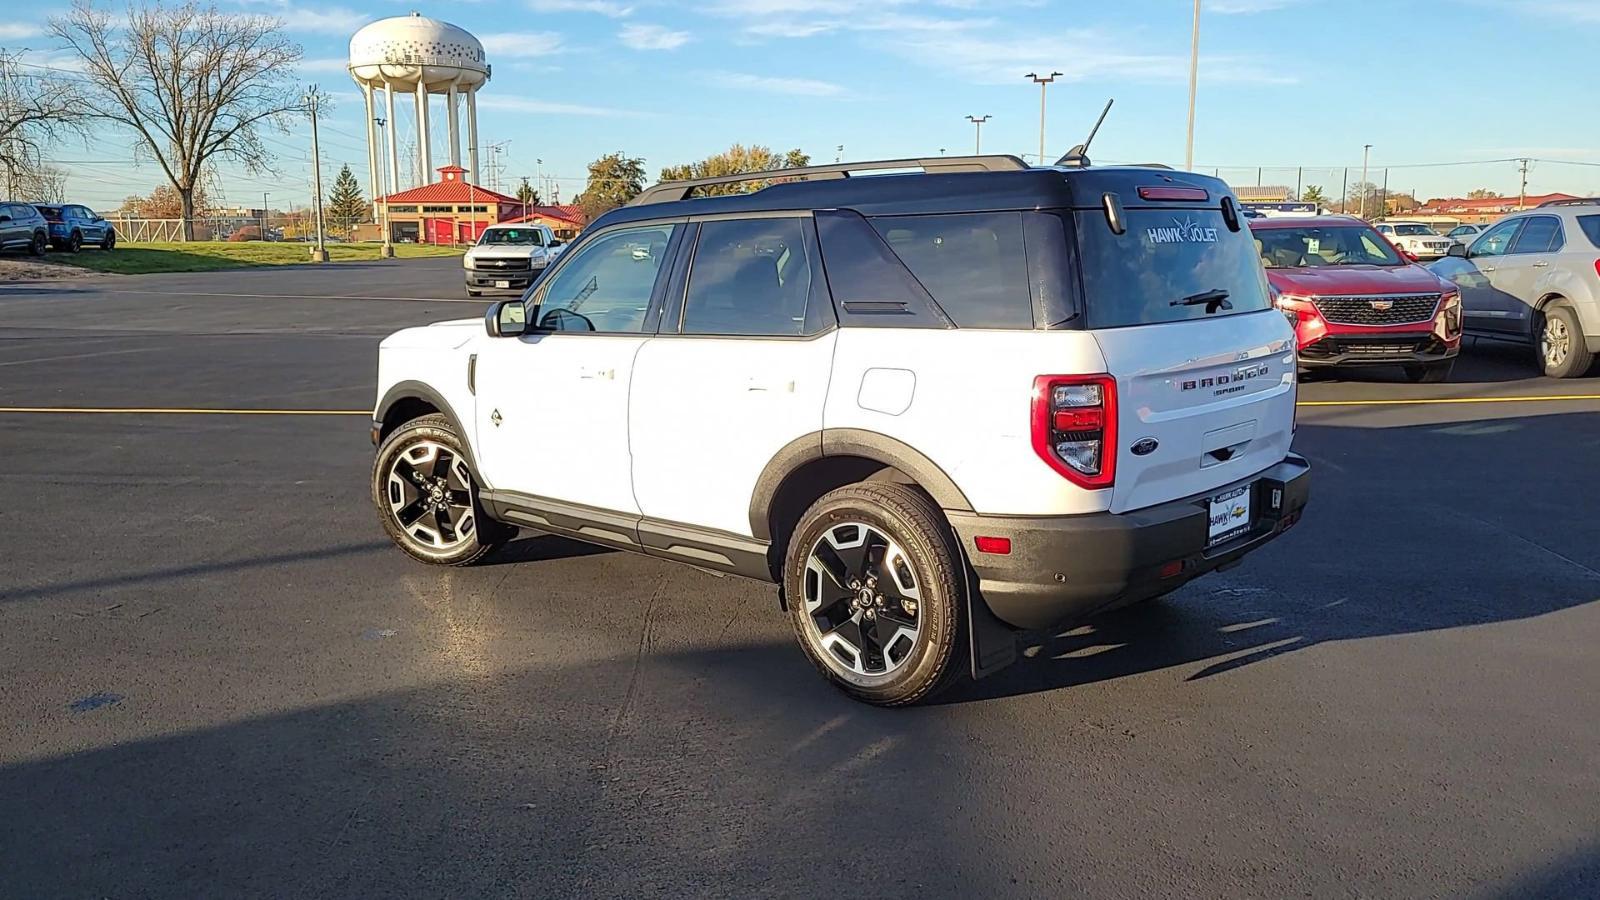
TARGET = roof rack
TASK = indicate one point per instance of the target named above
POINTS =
(669, 191)
(1577, 201)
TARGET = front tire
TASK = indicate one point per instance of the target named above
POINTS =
(1562, 350)
(39, 244)
(109, 242)
(426, 495)
(75, 243)
(877, 593)
(1430, 373)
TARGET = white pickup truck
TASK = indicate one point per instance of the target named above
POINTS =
(509, 257)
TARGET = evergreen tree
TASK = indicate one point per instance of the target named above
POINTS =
(528, 195)
(346, 206)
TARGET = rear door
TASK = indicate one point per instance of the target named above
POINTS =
(1205, 367)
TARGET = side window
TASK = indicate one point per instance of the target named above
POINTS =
(606, 285)
(972, 264)
(1541, 234)
(1591, 228)
(1496, 240)
(749, 277)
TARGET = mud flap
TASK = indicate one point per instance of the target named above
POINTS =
(993, 642)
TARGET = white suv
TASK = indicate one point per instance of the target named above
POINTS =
(937, 409)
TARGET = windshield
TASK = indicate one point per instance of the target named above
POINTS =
(1324, 245)
(525, 236)
(1414, 230)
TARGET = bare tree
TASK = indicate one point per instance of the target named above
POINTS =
(42, 184)
(195, 84)
(35, 107)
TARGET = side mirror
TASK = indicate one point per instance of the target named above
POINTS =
(507, 318)
(5, 217)
(555, 242)
(1459, 251)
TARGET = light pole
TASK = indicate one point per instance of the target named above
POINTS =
(319, 253)
(1194, 83)
(263, 215)
(387, 251)
(1042, 81)
(975, 120)
(1366, 150)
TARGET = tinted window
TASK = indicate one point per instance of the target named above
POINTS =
(869, 285)
(1591, 228)
(749, 276)
(1495, 241)
(973, 265)
(1165, 257)
(605, 285)
(1540, 235)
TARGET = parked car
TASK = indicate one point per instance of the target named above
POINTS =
(1534, 278)
(1466, 234)
(934, 407)
(1415, 238)
(22, 228)
(72, 226)
(1354, 301)
(509, 257)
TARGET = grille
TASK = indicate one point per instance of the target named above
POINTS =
(1405, 309)
(1399, 347)
(500, 265)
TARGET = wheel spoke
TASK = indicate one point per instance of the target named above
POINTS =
(411, 512)
(441, 463)
(461, 499)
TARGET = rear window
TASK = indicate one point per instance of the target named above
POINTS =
(1591, 228)
(52, 213)
(1166, 257)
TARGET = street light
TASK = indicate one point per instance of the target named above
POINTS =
(1194, 83)
(387, 250)
(1041, 82)
(975, 120)
(1366, 150)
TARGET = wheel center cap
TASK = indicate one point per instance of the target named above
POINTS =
(864, 596)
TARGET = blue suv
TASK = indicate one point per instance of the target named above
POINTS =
(72, 226)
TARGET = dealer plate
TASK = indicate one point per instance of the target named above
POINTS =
(1229, 516)
(502, 284)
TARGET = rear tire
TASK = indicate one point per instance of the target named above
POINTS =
(877, 593)
(1559, 341)
(75, 243)
(1430, 373)
(109, 242)
(426, 495)
(39, 244)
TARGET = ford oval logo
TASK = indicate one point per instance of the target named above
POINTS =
(1145, 447)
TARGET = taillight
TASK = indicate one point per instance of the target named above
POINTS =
(1309, 326)
(1075, 426)
(1597, 267)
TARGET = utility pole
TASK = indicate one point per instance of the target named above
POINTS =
(1299, 177)
(524, 193)
(319, 253)
(1522, 192)
(1194, 84)
(1383, 198)
(263, 215)
(387, 250)
(1042, 81)
(1366, 149)
(1344, 193)
(975, 120)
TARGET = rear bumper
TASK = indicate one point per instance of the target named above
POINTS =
(1067, 567)
(1386, 349)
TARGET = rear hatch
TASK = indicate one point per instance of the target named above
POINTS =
(1204, 365)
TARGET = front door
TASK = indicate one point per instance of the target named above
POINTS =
(1483, 306)
(552, 405)
(739, 370)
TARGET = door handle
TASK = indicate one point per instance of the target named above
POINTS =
(607, 374)
(1486, 269)
(754, 383)
(1541, 264)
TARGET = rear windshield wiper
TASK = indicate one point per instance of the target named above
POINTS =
(1213, 300)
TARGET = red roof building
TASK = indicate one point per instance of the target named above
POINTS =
(1481, 209)
(449, 211)
(566, 220)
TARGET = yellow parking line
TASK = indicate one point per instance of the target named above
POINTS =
(172, 411)
(1554, 398)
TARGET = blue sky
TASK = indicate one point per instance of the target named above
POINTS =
(1284, 83)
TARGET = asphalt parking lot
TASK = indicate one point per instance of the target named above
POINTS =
(218, 679)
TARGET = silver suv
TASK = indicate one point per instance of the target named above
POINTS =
(1534, 278)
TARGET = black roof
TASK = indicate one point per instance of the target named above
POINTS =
(1047, 187)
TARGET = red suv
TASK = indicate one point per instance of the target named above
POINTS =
(1355, 301)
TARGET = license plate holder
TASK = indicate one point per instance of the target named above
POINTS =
(502, 284)
(1228, 515)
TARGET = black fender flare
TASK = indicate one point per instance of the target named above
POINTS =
(416, 390)
(849, 442)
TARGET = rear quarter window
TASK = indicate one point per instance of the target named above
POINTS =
(1166, 255)
(1591, 228)
(973, 265)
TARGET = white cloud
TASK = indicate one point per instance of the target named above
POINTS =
(652, 37)
(521, 44)
(805, 18)
(17, 30)
(1081, 54)
(324, 64)
(1586, 12)
(310, 19)
(599, 7)
(1245, 7)
(800, 87)
(542, 107)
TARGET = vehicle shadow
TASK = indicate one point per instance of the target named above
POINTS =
(1399, 550)
(541, 548)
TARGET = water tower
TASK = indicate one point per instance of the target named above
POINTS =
(421, 56)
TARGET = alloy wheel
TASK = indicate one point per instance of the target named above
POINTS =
(862, 600)
(1555, 343)
(429, 489)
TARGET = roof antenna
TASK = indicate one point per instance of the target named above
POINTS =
(1078, 157)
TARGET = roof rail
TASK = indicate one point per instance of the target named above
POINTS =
(1577, 201)
(669, 191)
